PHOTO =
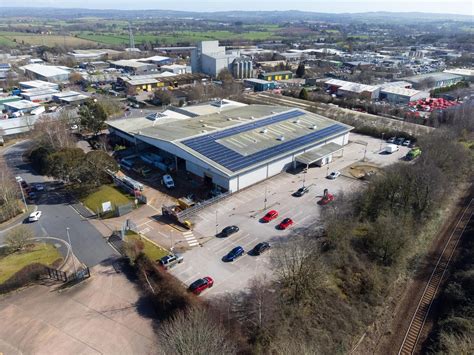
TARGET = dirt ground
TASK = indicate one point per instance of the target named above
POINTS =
(102, 315)
(386, 334)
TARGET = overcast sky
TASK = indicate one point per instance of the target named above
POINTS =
(464, 7)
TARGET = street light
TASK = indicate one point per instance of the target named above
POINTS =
(70, 246)
(381, 142)
(172, 240)
(265, 200)
(18, 180)
(217, 225)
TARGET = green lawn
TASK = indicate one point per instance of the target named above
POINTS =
(153, 251)
(103, 194)
(42, 253)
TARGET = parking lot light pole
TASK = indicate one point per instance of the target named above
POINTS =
(70, 246)
(22, 193)
(265, 200)
(172, 241)
(381, 141)
(217, 225)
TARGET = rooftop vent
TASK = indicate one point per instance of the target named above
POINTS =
(281, 138)
(296, 121)
(203, 131)
(203, 125)
(264, 130)
(229, 118)
(252, 118)
(313, 126)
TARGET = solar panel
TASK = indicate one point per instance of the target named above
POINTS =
(208, 147)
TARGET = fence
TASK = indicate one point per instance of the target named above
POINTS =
(80, 274)
(191, 210)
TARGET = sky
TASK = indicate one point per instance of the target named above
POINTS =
(464, 7)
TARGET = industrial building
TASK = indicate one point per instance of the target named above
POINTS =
(237, 147)
(94, 54)
(7, 99)
(467, 74)
(433, 80)
(21, 106)
(176, 69)
(276, 75)
(39, 95)
(401, 95)
(70, 97)
(133, 66)
(353, 90)
(157, 60)
(259, 84)
(210, 58)
(38, 84)
(49, 73)
(149, 82)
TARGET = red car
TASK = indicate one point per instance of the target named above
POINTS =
(200, 285)
(270, 216)
(286, 223)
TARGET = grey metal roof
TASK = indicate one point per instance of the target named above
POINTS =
(316, 154)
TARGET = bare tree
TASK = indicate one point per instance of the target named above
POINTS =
(19, 237)
(9, 194)
(194, 331)
(54, 133)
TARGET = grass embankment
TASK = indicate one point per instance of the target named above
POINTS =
(151, 250)
(41, 253)
(105, 193)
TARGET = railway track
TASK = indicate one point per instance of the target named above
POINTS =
(418, 320)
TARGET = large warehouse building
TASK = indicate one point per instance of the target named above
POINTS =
(238, 146)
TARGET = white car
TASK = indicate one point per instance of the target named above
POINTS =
(39, 187)
(168, 181)
(334, 175)
(35, 216)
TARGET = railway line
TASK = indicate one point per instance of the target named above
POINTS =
(417, 323)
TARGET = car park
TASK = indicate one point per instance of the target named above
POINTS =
(260, 248)
(286, 223)
(200, 285)
(227, 231)
(334, 175)
(270, 216)
(234, 254)
(168, 181)
(171, 260)
(301, 191)
(35, 216)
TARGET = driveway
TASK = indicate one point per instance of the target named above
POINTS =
(103, 315)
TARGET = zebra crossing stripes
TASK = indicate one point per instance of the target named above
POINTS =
(190, 238)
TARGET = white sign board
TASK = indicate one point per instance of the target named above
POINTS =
(106, 206)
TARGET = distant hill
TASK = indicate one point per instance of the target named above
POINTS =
(247, 16)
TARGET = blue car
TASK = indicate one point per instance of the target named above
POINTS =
(234, 254)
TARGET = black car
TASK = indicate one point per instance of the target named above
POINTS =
(301, 191)
(260, 248)
(234, 254)
(400, 141)
(227, 231)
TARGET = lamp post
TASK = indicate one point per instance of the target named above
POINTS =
(217, 225)
(265, 200)
(381, 141)
(172, 241)
(70, 245)
(18, 180)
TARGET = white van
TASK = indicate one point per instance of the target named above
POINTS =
(168, 181)
(391, 148)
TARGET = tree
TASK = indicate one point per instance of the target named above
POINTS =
(54, 133)
(75, 78)
(303, 94)
(93, 116)
(301, 71)
(194, 331)
(67, 165)
(19, 237)
(225, 76)
(162, 96)
(97, 162)
(9, 194)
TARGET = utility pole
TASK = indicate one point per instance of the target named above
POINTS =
(217, 225)
(73, 257)
(18, 180)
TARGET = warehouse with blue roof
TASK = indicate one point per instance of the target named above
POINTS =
(241, 146)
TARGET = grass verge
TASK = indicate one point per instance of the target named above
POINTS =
(151, 250)
(105, 193)
(40, 253)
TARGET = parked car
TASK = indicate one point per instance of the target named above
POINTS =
(400, 141)
(227, 231)
(168, 181)
(24, 184)
(234, 254)
(260, 248)
(286, 223)
(171, 260)
(270, 216)
(32, 195)
(334, 175)
(200, 285)
(407, 143)
(301, 191)
(391, 140)
(39, 187)
(35, 216)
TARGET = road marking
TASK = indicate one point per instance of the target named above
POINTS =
(190, 238)
(146, 230)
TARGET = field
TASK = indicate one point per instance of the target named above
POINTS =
(47, 40)
(177, 37)
(45, 254)
(103, 194)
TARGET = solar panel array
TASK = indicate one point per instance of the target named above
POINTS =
(208, 147)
